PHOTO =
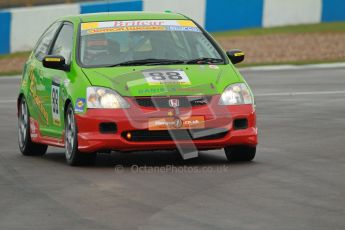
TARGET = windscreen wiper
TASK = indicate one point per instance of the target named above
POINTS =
(205, 60)
(149, 61)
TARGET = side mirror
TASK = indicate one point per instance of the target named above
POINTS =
(55, 62)
(236, 56)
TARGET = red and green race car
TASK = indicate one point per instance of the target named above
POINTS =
(134, 81)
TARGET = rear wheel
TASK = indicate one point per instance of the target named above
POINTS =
(26, 146)
(240, 153)
(73, 156)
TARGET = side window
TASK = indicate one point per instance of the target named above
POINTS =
(42, 46)
(64, 43)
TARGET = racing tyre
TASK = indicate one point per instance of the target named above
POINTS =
(240, 153)
(73, 156)
(26, 146)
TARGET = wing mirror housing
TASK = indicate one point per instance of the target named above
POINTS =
(235, 56)
(55, 62)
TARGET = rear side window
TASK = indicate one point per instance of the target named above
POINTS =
(64, 43)
(42, 46)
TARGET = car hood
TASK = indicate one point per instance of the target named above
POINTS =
(131, 81)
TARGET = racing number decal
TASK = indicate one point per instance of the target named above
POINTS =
(161, 76)
(55, 101)
(158, 77)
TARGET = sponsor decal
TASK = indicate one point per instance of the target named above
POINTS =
(239, 54)
(126, 29)
(193, 122)
(24, 83)
(52, 59)
(139, 25)
(33, 129)
(152, 91)
(178, 123)
(80, 105)
(112, 24)
(183, 28)
(37, 100)
(213, 67)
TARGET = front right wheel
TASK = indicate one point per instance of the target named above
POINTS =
(73, 156)
(240, 153)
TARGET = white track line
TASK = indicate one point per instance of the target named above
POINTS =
(7, 101)
(294, 67)
(10, 77)
(299, 93)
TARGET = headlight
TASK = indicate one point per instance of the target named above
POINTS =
(103, 98)
(236, 94)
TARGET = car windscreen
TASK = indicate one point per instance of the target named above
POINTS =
(111, 43)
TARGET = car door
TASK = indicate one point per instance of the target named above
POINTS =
(55, 80)
(34, 75)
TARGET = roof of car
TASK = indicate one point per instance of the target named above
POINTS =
(132, 15)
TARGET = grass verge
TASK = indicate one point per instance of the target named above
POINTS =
(309, 62)
(12, 64)
(15, 55)
(10, 73)
(307, 28)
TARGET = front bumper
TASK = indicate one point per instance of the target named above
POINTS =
(135, 119)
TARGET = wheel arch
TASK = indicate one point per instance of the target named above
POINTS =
(67, 103)
(20, 96)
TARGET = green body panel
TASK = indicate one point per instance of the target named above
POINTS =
(132, 15)
(130, 81)
(38, 82)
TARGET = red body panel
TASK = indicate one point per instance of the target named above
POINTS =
(36, 136)
(90, 139)
(136, 118)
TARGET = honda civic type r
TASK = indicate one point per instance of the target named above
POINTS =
(130, 82)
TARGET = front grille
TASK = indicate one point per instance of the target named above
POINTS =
(169, 135)
(163, 102)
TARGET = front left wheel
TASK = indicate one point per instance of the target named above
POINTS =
(73, 156)
(26, 146)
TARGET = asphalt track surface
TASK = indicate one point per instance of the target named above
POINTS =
(297, 180)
